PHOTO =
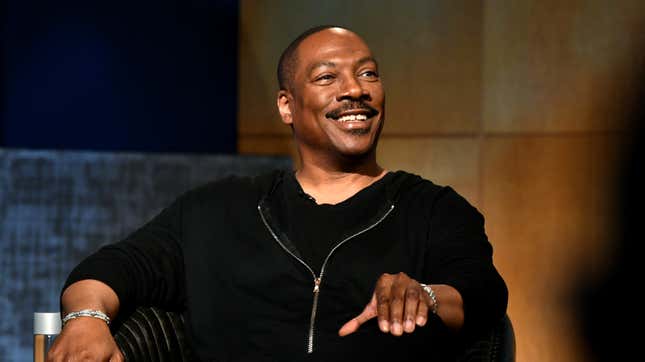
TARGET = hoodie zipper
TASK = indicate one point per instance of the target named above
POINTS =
(318, 280)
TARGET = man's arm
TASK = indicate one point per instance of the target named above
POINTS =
(470, 293)
(90, 294)
(461, 256)
(87, 338)
(144, 269)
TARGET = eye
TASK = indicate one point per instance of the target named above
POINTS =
(324, 79)
(369, 74)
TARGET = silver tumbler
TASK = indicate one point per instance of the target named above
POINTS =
(46, 327)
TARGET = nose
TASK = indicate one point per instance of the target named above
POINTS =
(351, 88)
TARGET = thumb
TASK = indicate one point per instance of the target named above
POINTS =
(368, 313)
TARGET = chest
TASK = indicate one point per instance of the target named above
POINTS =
(248, 272)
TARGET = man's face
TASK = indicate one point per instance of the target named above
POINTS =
(336, 99)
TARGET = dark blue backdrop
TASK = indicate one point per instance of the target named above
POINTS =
(152, 76)
(57, 207)
(120, 75)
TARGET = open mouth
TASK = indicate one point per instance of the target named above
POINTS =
(355, 121)
(352, 113)
(352, 118)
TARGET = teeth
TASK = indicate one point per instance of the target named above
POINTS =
(357, 117)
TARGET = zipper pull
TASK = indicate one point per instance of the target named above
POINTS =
(316, 285)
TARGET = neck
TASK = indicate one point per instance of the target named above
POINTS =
(332, 185)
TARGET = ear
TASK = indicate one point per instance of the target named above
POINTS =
(284, 106)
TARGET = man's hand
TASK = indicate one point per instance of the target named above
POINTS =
(85, 339)
(400, 304)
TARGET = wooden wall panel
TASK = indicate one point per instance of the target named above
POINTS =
(537, 201)
(559, 66)
(431, 67)
(443, 160)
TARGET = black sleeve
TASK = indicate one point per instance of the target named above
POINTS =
(146, 268)
(461, 257)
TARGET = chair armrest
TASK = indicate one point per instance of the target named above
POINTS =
(153, 334)
(496, 346)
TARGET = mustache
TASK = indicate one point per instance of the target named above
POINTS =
(352, 106)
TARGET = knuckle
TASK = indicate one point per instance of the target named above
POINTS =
(383, 299)
(412, 294)
(381, 290)
(85, 355)
(384, 278)
(396, 301)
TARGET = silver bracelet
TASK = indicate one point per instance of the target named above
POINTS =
(86, 313)
(432, 295)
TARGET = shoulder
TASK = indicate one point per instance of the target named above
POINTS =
(434, 199)
(232, 188)
(406, 186)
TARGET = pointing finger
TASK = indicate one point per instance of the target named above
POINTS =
(368, 313)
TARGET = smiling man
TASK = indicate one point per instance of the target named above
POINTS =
(340, 260)
(332, 95)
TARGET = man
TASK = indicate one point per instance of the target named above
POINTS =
(327, 262)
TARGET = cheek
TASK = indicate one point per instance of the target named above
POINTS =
(378, 96)
(320, 100)
(315, 99)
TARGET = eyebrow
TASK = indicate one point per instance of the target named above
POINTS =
(333, 65)
(367, 59)
(320, 64)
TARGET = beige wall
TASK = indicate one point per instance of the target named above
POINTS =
(516, 104)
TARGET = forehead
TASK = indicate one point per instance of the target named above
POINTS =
(334, 45)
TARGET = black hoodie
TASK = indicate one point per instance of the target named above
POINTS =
(219, 254)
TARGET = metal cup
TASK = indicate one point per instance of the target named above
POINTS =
(46, 327)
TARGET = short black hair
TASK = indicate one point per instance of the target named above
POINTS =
(289, 59)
